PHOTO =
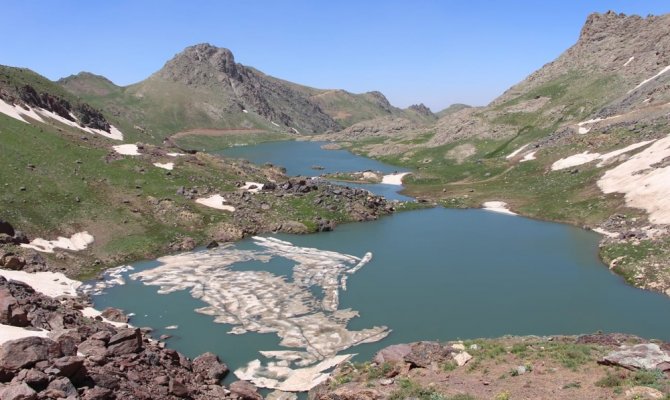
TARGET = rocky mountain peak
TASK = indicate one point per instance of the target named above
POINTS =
(380, 99)
(198, 64)
(421, 109)
(598, 25)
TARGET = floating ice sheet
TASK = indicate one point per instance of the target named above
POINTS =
(264, 302)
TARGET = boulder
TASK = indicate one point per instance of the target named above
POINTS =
(104, 380)
(424, 354)
(25, 352)
(641, 356)
(63, 385)
(6, 228)
(209, 366)
(68, 365)
(92, 347)
(18, 391)
(279, 395)
(114, 314)
(68, 341)
(245, 390)
(393, 354)
(36, 379)
(178, 388)
(13, 262)
(7, 302)
(462, 358)
(126, 341)
(97, 393)
(20, 237)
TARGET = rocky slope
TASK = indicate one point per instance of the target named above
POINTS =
(63, 354)
(27, 89)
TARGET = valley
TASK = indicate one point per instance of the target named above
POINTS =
(186, 203)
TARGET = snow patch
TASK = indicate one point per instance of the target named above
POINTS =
(586, 157)
(517, 151)
(661, 72)
(630, 60)
(77, 242)
(52, 284)
(18, 112)
(529, 157)
(215, 201)
(497, 206)
(8, 332)
(248, 187)
(605, 232)
(91, 312)
(394, 179)
(574, 160)
(127, 149)
(643, 185)
(169, 166)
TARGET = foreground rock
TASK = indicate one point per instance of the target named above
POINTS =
(84, 358)
(564, 368)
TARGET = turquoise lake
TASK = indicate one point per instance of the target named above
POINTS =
(436, 274)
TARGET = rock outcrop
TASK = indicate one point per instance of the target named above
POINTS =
(76, 357)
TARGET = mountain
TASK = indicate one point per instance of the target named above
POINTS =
(204, 88)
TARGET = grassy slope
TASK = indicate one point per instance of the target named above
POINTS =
(529, 187)
(54, 183)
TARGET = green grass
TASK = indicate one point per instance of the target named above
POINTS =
(407, 388)
(620, 378)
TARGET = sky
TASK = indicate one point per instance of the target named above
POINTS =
(414, 51)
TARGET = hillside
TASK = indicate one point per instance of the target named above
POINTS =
(582, 140)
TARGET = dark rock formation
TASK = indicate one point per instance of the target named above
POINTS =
(113, 363)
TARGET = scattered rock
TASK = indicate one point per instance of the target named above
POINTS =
(114, 314)
(26, 352)
(462, 358)
(641, 356)
(177, 388)
(393, 354)
(209, 366)
(6, 228)
(245, 390)
(125, 341)
(18, 391)
(62, 385)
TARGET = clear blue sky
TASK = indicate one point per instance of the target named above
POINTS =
(435, 52)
